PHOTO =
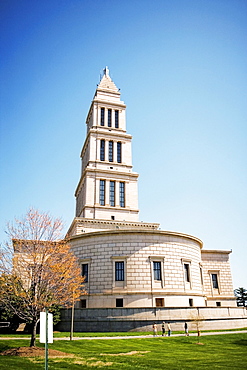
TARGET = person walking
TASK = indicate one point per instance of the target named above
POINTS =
(163, 329)
(169, 329)
(186, 329)
(155, 329)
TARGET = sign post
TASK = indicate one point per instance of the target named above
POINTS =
(46, 332)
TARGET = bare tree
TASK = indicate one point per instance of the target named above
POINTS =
(37, 268)
(198, 320)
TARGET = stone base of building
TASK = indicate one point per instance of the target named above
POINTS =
(142, 319)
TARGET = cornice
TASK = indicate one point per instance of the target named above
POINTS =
(216, 251)
(136, 231)
(109, 103)
(115, 174)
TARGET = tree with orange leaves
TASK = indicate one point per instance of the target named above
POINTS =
(37, 268)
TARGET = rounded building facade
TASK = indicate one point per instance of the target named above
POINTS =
(145, 268)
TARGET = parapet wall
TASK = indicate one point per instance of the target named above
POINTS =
(142, 319)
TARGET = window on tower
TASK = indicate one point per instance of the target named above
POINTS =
(122, 194)
(116, 119)
(102, 193)
(119, 152)
(112, 193)
(102, 116)
(102, 150)
(110, 151)
(109, 117)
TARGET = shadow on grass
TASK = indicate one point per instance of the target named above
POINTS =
(4, 346)
(241, 342)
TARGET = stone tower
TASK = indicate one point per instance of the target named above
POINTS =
(107, 189)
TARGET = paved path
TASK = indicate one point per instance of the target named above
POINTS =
(137, 336)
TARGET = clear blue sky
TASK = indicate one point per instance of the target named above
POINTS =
(182, 69)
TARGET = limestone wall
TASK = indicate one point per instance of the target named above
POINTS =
(217, 262)
(138, 249)
(142, 319)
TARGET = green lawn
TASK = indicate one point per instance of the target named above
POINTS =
(217, 352)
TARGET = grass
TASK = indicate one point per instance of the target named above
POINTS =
(109, 334)
(217, 352)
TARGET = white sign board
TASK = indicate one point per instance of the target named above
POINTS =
(42, 336)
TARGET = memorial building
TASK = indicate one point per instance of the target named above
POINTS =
(128, 263)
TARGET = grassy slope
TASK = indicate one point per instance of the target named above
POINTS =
(217, 352)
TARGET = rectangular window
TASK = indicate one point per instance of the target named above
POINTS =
(122, 194)
(116, 119)
(157, 270)
(84, 272)
(187, 272)
(215, 281)
(119, 302)
(218, 304)
(190, 302)
(83, 303)
(201, 275)
(159, 302)
(102, 116)
(119, 271)
(102, 150)
(119, 152)
(109, 117)
(102, 193)
(110, 151)
(112, 193)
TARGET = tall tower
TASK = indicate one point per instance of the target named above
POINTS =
(107, 189)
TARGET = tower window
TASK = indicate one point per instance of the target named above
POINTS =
(84, 272)
(119, 152)
(215, 281)
(110, 151)
(116, 119)
(187, 272)
(119, 271)
(102, 116)
(122, 194)
(102, 193)
(112, 193)
(157, 270)
(102, 150)
(109, 117)
(191, 302)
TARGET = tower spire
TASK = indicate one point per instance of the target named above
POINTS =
(106, 72)
(107, 189)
